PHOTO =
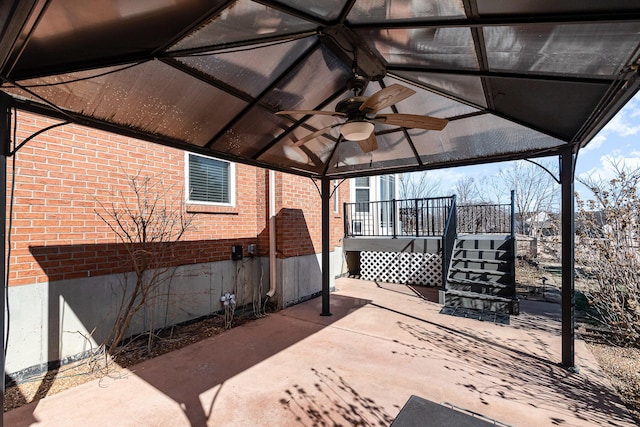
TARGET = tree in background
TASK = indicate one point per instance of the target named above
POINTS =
(148, 219)
(419, 185)
(477, 214)
(608, 235)
(466, 191)
(536, 193)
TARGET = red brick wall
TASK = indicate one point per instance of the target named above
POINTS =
(337, 219)
(299, 217)
(63, 175)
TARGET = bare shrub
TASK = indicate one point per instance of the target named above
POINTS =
(148, 219)
(608, 232)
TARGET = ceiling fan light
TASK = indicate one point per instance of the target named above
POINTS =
(356, 130)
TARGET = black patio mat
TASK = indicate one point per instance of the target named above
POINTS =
(419, 412)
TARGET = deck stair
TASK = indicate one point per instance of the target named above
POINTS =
(482, 274)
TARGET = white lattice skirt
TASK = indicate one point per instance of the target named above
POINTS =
(401, 267)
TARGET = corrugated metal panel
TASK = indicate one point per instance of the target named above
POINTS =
(515, 78)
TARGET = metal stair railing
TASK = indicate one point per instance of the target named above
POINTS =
(449, 236)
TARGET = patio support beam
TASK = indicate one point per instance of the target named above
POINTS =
(5, 145)
(325, 190)
(567, 168)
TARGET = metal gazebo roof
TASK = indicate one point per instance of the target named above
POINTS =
(516, 79)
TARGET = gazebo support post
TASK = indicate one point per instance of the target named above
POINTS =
(5, 145)
(326, 250)
(567, 168)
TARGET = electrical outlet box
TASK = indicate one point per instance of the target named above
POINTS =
(251, 249)
(236, 252)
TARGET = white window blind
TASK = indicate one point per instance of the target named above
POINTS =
(210, 180)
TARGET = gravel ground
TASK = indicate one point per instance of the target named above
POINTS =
(622, 365)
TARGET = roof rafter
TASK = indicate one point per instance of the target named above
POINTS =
(308, 52)
(507, 20)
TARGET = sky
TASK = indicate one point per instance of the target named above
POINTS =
(618, 141)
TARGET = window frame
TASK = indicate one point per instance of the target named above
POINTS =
(232, 182)
(362, 207)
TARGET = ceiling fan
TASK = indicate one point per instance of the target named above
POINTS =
(361, 115)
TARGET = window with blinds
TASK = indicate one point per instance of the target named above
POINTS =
(209, 180)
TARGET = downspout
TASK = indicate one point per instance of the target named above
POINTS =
(272, 234)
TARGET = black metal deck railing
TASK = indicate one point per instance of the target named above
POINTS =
(398, 218)
(427, 217)
(482, 218)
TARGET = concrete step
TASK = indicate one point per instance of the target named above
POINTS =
(480, 275)
(476, 243)
(482, 264)
(476, 301)
(481, 287)
(482, 315)
(484, 254)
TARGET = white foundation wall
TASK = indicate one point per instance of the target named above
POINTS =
(63, 320)
(301, 277)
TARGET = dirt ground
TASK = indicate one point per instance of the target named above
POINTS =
(622, 365)
(102, 367)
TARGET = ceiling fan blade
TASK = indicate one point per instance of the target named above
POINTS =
(386, 97)
(311, 112)
(313, 135)
(369, 144)
(412, 121)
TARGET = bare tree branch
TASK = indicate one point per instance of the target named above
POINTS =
(536, 194)
(419, 185)
(148, 220)
(466, 191)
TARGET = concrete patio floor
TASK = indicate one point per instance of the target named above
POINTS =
(357, 367)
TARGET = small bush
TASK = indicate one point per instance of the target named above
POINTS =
(608, 237)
